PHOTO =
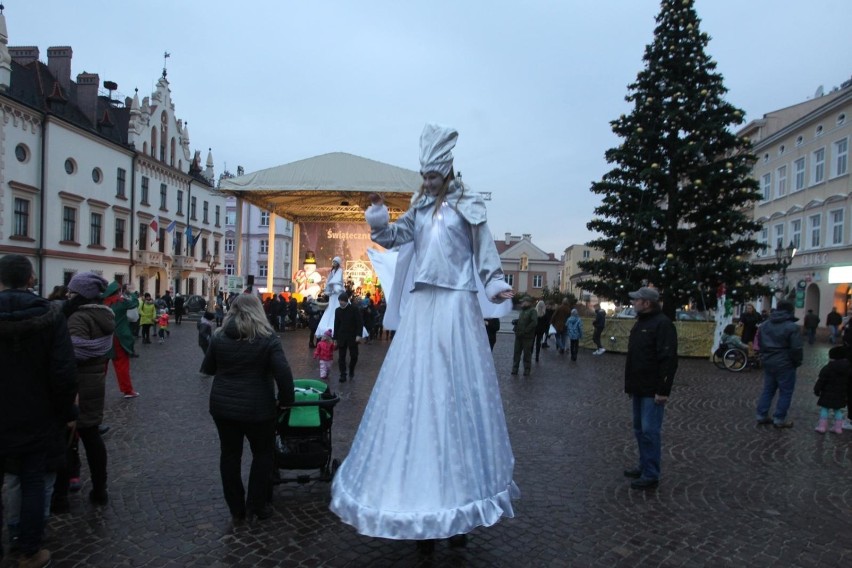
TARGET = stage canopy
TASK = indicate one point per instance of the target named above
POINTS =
(330, 187)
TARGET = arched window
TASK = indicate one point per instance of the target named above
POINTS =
(154, 141)
(172, 153)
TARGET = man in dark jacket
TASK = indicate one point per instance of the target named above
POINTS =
(598, 325)
(781, 354)
(648, 376)
(524, 336)
(833, 321)
(38, 386)
(811, 324)
(348, 327)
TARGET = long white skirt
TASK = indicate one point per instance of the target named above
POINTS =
(431, 458)
(327, 320)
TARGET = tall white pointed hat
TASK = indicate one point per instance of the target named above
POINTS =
(436, 148)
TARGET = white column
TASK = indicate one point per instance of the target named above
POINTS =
(238, 229)
(270, 256)
(295, 260)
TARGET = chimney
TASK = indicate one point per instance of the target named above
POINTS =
(87, 95)
(24, 55)
(527, 236)
(59, 64)
(508, 238)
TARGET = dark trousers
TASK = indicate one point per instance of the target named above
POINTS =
(597, 337)
(146, 332)
(134, 328)
(523, 346)
(539, 337)
(261, 438)
(96, 455)
(32, 467)
(350, 346)
(575, 348)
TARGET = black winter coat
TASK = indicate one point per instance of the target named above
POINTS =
(651, 356)
(244, 372)
(39, 379)
(831, 387)
(348, 324)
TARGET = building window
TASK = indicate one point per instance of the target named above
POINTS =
(587, 254)
(120, 181)
(204, 248)
(264, 246)
(205, 212)
(164, 197)
(69, 224)
(70, 166)
(262, 269)
(781, 150)
(818, 163)
(819, 130)
(796, 233)
(230, 217)
(192, 207)
(841, 119)
(180, 202)
(119, 233)
(97, 176)
(815, 222)
(779, 235)
(143, 239)
(161, 240)
(841, 157)
(836, 217)
(766, 184)
(229, 269)
(216, 249)
(799, 172)
(22, 217)
(144, 197)
(177, 240)
(537, 280)
(781, 180)
(96, 224)
(229, 245)
(510, 279)
(763, 239)
(217, 214)
(799, 140)
(22, 153)
(264, 218)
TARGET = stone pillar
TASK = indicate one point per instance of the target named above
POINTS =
(270, 254)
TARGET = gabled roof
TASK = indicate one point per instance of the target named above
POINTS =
(329, 187)
(516, 248)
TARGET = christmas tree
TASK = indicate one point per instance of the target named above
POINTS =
(675, 208)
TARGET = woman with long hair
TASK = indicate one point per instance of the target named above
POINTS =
(333, 289)
(432, 458)
(541, 327)
(247, 362)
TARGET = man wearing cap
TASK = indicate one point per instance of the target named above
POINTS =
(648, 376)
(524, 336)
(780, 342)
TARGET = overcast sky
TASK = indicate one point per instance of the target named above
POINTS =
(531, 86)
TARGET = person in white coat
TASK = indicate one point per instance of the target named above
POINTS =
(431, 458)
(333, 289)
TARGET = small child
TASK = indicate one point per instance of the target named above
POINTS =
(205, 330)
(831, 389)
(163, 325)
(729, 336)
(325, 354)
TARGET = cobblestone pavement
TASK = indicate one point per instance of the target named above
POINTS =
(732, 493)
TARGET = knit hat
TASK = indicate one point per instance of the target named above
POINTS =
(837, 352)
(337, 260)
(87, 284)
(327, 333)
(436, 149)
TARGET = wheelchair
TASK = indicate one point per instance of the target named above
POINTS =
(735, 359)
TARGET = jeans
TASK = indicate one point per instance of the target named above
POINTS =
(31, 475)
(811, 335)
(784, 382)
(261, 437)
(561, 336)
(832, 333)
(647, 426)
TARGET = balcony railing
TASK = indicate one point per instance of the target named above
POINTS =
(184, 263)
(150, 258)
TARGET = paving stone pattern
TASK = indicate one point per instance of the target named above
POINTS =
(732, 493)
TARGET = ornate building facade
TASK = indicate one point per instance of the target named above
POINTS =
(91, 183)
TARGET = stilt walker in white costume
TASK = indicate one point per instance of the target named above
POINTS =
(333, 289)
(432, 458)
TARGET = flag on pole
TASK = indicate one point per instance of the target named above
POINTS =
(154, 225)
(197, 236)
(171, 226)
(188, 238)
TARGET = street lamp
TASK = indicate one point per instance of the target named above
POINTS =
(212, 263)
(784, 257)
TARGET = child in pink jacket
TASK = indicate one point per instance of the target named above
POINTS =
(325, 354)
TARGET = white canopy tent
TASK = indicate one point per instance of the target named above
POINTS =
(331, 187)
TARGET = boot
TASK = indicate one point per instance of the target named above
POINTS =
(838, 426)
(822, 425)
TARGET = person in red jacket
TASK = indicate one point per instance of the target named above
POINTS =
(324, 353)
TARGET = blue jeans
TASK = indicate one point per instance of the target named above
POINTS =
(560, 339)
(31, 475)
(647, 426)
(784, 382)
(811, 335)
(832, 333)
